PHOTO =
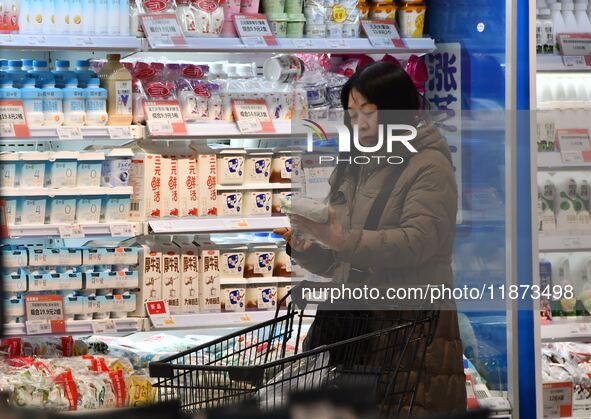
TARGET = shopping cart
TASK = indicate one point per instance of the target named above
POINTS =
(383, 351)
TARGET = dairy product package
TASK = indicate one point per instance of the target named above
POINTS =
(209, 280)
(257, 202)
(189, 254)
(187, 186)
(146, 180)
(169, 206)
(171, 276)
(305, 207)
(150, 279)
(207, 184)
(230, 204)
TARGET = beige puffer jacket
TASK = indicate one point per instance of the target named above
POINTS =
(412, 246)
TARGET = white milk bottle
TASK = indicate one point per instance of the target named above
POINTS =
(53, 114)
(74, 104)
(96, 103)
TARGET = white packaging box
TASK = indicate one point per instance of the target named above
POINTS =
(209, 280)
(258, 167)
(230, 204)
(89, 169)
(116, 208)
(189, 276)
(187, 185)
(61, 211)
(8, 165)
(207, 184)
(88, 210)
(30, 211)
(10, 205)
(233, 261)
(32, 169)
(230, 167)
(233, 295)
(146, 179)
(62, 169)
(150, 288)
(257, 202)
(169, 187)
(171, 276)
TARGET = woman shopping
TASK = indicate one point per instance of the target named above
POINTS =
(391, 225)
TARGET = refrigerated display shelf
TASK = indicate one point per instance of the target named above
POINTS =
(227, 130)
(556, 63)
(302, 45)
(248, 186)
(552, 161)
(70, 42)
(564, 241)
(132, 132)
(101, 191)
(567, 329)
(66, 230)
(80, 326)
(216, 224)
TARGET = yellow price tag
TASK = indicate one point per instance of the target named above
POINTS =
(339, 14)
(245, 318)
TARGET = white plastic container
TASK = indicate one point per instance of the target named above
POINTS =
(30, 211)
(231, 167)
(261, 295)
(260, 261)
(61, 211)
(233, 295)
(115, 208)
(74, 104)
(230, 204)
(32, 169)
(89, 169)
(258, 167)
(8, 169)
(62, 169)
(232, 261)
(257, 202)
(557, 21)
(116, 167)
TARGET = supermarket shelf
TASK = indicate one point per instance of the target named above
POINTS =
(216, 224)
(79, 326)
(564, 241)
(552, 160)
(70, 42)
(248, 186)
(573, 329)
(136, 132)
(59, 230)
(121, 190)
(222, 130)
(554, 62)
(345, 45)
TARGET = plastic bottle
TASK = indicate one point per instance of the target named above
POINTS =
(96, 103)
(188, 100)
(116, 79)
(186, 17)
(53, 114)
(74, 104)
(33, 102)
(41, 72)
(7, 91)
(88, 8)
(215, 104)
(539, 42)
(16, 72)
(583, 23)
(124, 21)
(76, 21)
(134, 21)
(62, 73)
(3, 65)
(101, 17)
(83, 72)
(27, 65)
(36, 16)
(547, 31)
(113, 13)
(24, 25)
(569, 17)
(62, 16)
(557, 21)
(49, 24)
(172, 72)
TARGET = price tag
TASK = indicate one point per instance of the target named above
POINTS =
(12, 119)
(102, 327)
(163, 30)
(557, 399)
(571, 242)
(245, 318)
(336, 43)
(36, 40)
(237, 224)
(303, 43)
(6, 40)
(574, 145)
(72, 231)
(45, 308)
(69, 133)
(83, 41)
(164, 117)
(159, 313)
(121, 230)
(254, 30)
(574, 61)
(119, 133)
(38, 327)
(575, 43)
(252, 116)
(382, 33)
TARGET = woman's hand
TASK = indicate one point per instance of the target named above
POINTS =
(297, 243)
(331, 234)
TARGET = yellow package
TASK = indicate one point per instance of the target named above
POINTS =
(411, 19)
(140, 390)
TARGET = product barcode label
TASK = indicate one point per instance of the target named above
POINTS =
(72, 231)
(119, 133)
(249, 126)
(163, 30)
(38, 327)
(121, 230)
(101, 327)
(69, 133)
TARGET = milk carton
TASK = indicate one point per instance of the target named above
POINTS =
(150, 288)
(189, 276)
(207, 184)
(187, 186)
(146, 180)
(209, 279)
(171, 276)
(169, 186)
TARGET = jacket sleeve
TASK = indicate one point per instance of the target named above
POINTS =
(427, 222)
(317, 260)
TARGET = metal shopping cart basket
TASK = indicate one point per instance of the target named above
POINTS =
(383, 351)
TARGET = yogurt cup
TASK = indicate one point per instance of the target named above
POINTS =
(351, 30)
(8, 168)
(283, 289)
(257, 202)
(273, 6)
(32, 169)
(115, 171)
(232, 261)
(89, 169)
(334, 30)
(61, 210)
(286, 164)
(62, 169)
(233, 295)
(30, 211)
(294, 6)
(276, 201)
(283, 68)
(282, 264)
(258, 167)
(295, 25)
(315, 30)
(249, 7)
(318, 113)
(230, 167)
(278, 24)
(260, 261)
(230, 204)
(261, 295)
(88, 210)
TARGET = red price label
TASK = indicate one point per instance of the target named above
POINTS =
(254, 30)
(382, 33)
(13, 122)
(164, 117)
(45, 314)
(252, 116)
(162, 30)
(159, 313)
